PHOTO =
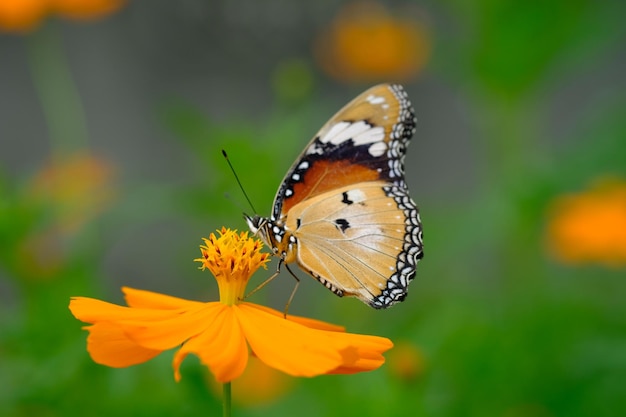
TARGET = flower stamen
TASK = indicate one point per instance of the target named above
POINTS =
(232, 258)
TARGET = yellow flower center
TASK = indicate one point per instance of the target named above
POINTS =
(232, 258)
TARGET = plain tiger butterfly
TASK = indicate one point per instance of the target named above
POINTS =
(343, 211)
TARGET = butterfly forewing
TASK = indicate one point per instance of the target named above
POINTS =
(365, 141)
(343, 211)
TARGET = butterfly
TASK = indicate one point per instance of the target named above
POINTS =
(343, 211)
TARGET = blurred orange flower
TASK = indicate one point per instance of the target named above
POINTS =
(406, 361)
(40, 256)
(220, 333)
(365, 43)
(590, 227)
(248, 392)
(75, 188)
(25, 15)
(63, 197)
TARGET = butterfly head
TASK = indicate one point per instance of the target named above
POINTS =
(274, 235)
(261, 227)
(257, 225)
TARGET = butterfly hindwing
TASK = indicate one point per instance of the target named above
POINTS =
(349, 239)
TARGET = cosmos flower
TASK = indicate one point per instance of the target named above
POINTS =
(25, 15)
(406, 362)
(54, 208)
(74, 189)
(590, 226)
(367, 43)
(223, 334)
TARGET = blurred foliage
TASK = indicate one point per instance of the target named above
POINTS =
(496, 326)
(509, 46)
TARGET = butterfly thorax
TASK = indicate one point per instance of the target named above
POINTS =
(274, 235)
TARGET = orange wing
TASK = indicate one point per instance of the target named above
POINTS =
(353, 248)
(364, 141)
(343, 211)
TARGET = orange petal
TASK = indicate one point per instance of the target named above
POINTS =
(288, 346)
(148, 299)
(231, 350)
(316, 324)
(365, 353)
(305, 321)
(91, 310)
(175, 329)
(150, 328)
(359, 365)
(108, 345)
(222, 347)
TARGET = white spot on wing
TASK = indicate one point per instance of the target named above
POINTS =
(372, 134)
(356, 196)
(375, 99)
(360, 132)
(334, 132)
(377, 149)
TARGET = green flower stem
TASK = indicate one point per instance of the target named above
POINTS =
(226, 397)
(57, 92)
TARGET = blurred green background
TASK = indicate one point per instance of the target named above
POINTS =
(112, 119)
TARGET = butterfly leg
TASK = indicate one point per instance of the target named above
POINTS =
(267, 281)
(293, 292)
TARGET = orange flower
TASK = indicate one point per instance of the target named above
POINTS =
(365, 43)
(62, 198)
(221, 333)
(406, 362)
(76, 188)
(590, 226)
(25, 15)
(247, 391)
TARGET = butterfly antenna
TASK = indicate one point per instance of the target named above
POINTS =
(237, 178)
